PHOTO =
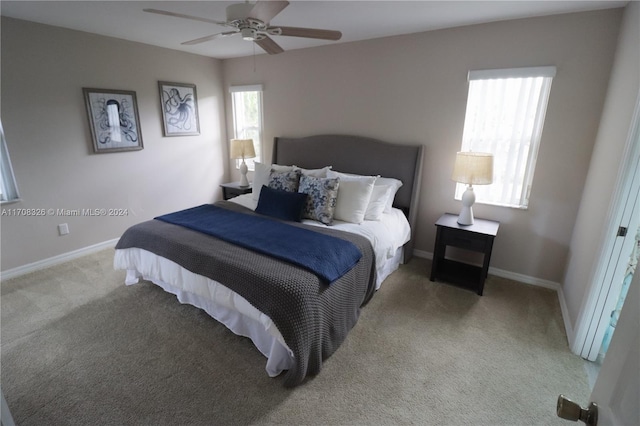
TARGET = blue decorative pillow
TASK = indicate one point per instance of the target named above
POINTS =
(323, 194)
(281, 204)
(285, 181)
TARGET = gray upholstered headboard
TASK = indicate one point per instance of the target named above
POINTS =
(363, 156)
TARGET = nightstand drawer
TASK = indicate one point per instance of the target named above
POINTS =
(464, 239)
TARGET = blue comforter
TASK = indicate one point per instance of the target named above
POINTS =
(327, 256)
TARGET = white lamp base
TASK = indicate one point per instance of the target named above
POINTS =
(466, 214)
(244, 182)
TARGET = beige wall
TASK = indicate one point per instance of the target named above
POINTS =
(600, 186)
(44, 69)
(407, 89)
(412, 89)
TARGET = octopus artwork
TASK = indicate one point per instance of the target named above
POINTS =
(179, 109)
(114, 121)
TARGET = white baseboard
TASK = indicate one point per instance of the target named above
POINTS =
(65, 257)
(526, 279)
(539, 282)
(55, 260)
(423, 254)
(565, 317)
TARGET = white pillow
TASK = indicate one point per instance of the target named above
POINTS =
(378, 202)
(334, 174)
(395, 184)
(278, 168)
(354, 194)
(320, 173)
(261, 176)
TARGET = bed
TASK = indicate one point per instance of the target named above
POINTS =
(294, 316)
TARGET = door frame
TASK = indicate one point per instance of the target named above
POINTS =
(616, 388)
(607, 280)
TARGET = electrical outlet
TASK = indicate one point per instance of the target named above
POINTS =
(63, 229)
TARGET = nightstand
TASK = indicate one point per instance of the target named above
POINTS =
(477, 237)
(233, 189)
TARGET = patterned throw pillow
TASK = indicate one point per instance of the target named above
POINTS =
(285, 181)
(261, 176)
(322, 196)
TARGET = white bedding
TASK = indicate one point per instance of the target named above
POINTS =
(387, 238)
(386, 235)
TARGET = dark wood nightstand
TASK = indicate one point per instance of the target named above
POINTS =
(233, 189)
(477, 237)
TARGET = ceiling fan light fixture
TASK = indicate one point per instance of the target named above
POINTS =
(248, 34)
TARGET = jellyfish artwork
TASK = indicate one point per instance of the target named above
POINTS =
(178, 110)
(114, 120)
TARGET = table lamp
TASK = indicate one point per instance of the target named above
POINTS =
(242, 148)
(472, 168)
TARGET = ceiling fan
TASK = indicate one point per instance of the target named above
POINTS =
(252, 22)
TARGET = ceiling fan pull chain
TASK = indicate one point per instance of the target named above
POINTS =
(254, 57)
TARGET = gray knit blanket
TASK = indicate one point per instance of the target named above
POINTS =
(314, 318)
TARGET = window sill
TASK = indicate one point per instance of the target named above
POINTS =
(7, 202)
(511, 206)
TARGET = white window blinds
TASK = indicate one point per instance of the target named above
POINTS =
(247, 118)
(8, 187)
(505, 115)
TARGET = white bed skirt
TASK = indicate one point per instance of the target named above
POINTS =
(221, 303)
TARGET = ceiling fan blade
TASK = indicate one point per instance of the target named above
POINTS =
(209, 37)
(266, 10)
(311, 33)
(269, 46)
(180, 15)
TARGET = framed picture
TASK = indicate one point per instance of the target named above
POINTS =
(113, 120)
(179, 109)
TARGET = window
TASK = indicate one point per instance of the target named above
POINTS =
(8, 188)
(505, 115)
(247, 118)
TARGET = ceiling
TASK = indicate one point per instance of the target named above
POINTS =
(358, 20)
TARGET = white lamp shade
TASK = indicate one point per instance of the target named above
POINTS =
(242, 148)
(473, 168)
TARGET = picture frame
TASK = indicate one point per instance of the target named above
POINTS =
(113, 120)
(179, 108)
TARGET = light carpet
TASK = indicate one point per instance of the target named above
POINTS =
(81, 348)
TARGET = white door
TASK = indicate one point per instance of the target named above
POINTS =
(614, 256)
(617, 388)
(615, 275)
